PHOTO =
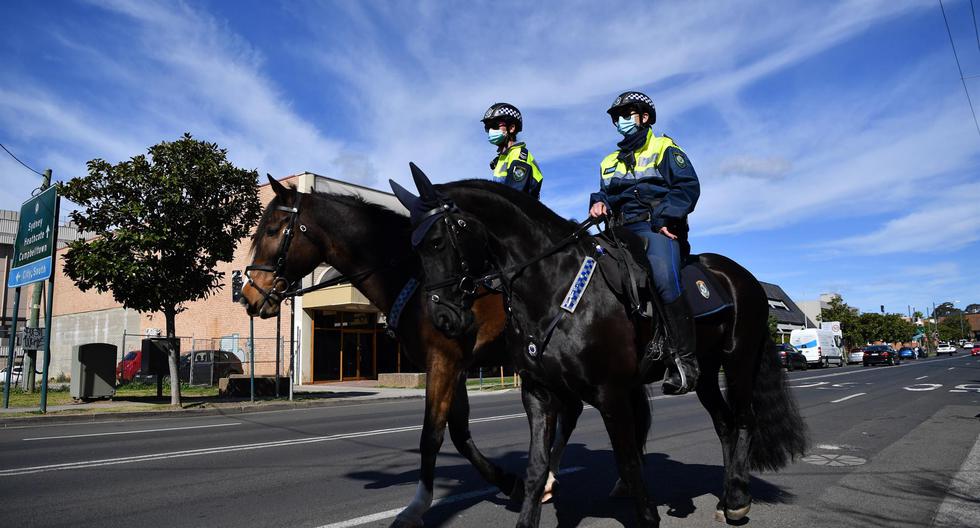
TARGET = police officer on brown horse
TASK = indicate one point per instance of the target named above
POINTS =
(650, 185)
(514, 165)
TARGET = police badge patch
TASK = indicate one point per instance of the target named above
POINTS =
(703, 289)
(519, 173)
(679, 158)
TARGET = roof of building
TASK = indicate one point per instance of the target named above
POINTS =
(791, 314)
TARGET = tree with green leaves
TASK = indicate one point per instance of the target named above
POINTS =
(848, 318)
(163, 221)
(950, 328)
(946, 309)
(774, 329)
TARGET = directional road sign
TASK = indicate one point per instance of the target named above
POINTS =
(37, 236)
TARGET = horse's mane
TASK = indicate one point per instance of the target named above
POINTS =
(375, 211)
(496, 195)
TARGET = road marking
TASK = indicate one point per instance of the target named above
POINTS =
(921, 387)
(808, 385)
(921, 377)
(132, 432)
(380, 516)
(845, 398)
(858, 371)
(950, 368)
(959, 508)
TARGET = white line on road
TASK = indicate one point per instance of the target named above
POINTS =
(133, 432)
(959, 508)
(375, 517)
(950, 368)
(845, 398)
(921, 377)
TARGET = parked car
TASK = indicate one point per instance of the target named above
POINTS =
(906, 353)
(856, 355)
(945, 348)
(129, 367)
(15, 375)
(976, 350)
(880, 355)
(968, 345)
(921, 352)
(790, 357)
(209, 364)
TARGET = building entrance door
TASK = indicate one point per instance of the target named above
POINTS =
(357, 354)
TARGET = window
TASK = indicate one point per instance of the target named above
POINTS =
(777, 304)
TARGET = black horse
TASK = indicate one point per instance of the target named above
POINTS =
(370, 244)
(593, 355)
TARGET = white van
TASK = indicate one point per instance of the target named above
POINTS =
(818, 346)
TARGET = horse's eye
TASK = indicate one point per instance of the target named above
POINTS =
(437, 244)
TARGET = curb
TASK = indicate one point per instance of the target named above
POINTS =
(52, 419)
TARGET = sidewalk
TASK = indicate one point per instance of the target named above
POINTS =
(303, 396)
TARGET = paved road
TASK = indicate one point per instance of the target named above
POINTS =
(893, 446)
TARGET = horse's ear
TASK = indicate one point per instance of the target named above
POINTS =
(404, 195)
(422, 183)
(281, 191)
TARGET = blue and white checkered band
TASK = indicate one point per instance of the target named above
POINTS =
(632, 97)
(396, 309)
(502, 111)
(577, 290)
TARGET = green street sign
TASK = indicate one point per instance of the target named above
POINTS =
(37, 237)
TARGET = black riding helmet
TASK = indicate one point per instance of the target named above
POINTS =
(506, 111)
(633, 101)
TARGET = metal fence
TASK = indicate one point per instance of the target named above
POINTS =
(204, 361)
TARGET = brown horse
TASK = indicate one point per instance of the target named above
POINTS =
(371, 245)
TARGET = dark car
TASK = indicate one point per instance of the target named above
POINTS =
(209, 366)
(881, 355)
(906, 353)
(790, 357)
(129, 367)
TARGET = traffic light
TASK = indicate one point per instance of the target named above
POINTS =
(236, 285)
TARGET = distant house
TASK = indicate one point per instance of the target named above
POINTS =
(788, 315)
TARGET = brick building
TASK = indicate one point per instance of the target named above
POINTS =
(337, 334)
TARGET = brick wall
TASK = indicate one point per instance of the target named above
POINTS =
(214, 317)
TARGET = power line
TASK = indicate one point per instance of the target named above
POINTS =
(958, 67)
(21, 162)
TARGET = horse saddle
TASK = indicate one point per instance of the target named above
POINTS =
(625, 269)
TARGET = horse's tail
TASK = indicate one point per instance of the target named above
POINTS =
(641, 415)
(779, 434)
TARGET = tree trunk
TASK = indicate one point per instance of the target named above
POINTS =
(172, 355)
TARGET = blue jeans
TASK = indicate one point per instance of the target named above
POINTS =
(665, 261)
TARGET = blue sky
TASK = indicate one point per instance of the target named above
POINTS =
(834, 143)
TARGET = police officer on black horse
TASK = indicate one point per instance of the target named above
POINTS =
(514, 165)
(650, 185)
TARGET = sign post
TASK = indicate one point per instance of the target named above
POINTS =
(33, 261)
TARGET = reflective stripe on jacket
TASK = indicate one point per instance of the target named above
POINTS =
(662, 182)
(516, 167)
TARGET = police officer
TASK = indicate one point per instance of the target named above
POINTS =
(652, 187)
(514, 164)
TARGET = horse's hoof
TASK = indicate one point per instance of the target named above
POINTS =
(550, 489)
(406, 521)
(719, 516)
(620, 491)
(738, 513)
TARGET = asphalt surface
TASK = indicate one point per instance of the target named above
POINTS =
(891, 446)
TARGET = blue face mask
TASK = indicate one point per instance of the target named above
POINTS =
(495, 136)
(626, 126)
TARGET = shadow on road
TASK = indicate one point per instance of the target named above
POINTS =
(583, 494)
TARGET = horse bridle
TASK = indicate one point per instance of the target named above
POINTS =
(466, 283)
(277, 270)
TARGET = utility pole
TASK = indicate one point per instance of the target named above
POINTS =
(30, 356)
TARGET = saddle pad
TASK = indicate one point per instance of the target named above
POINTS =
(703, 294)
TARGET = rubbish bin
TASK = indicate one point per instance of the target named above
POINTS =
(93, 371)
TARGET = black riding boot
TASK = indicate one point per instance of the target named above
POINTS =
(682, 372)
